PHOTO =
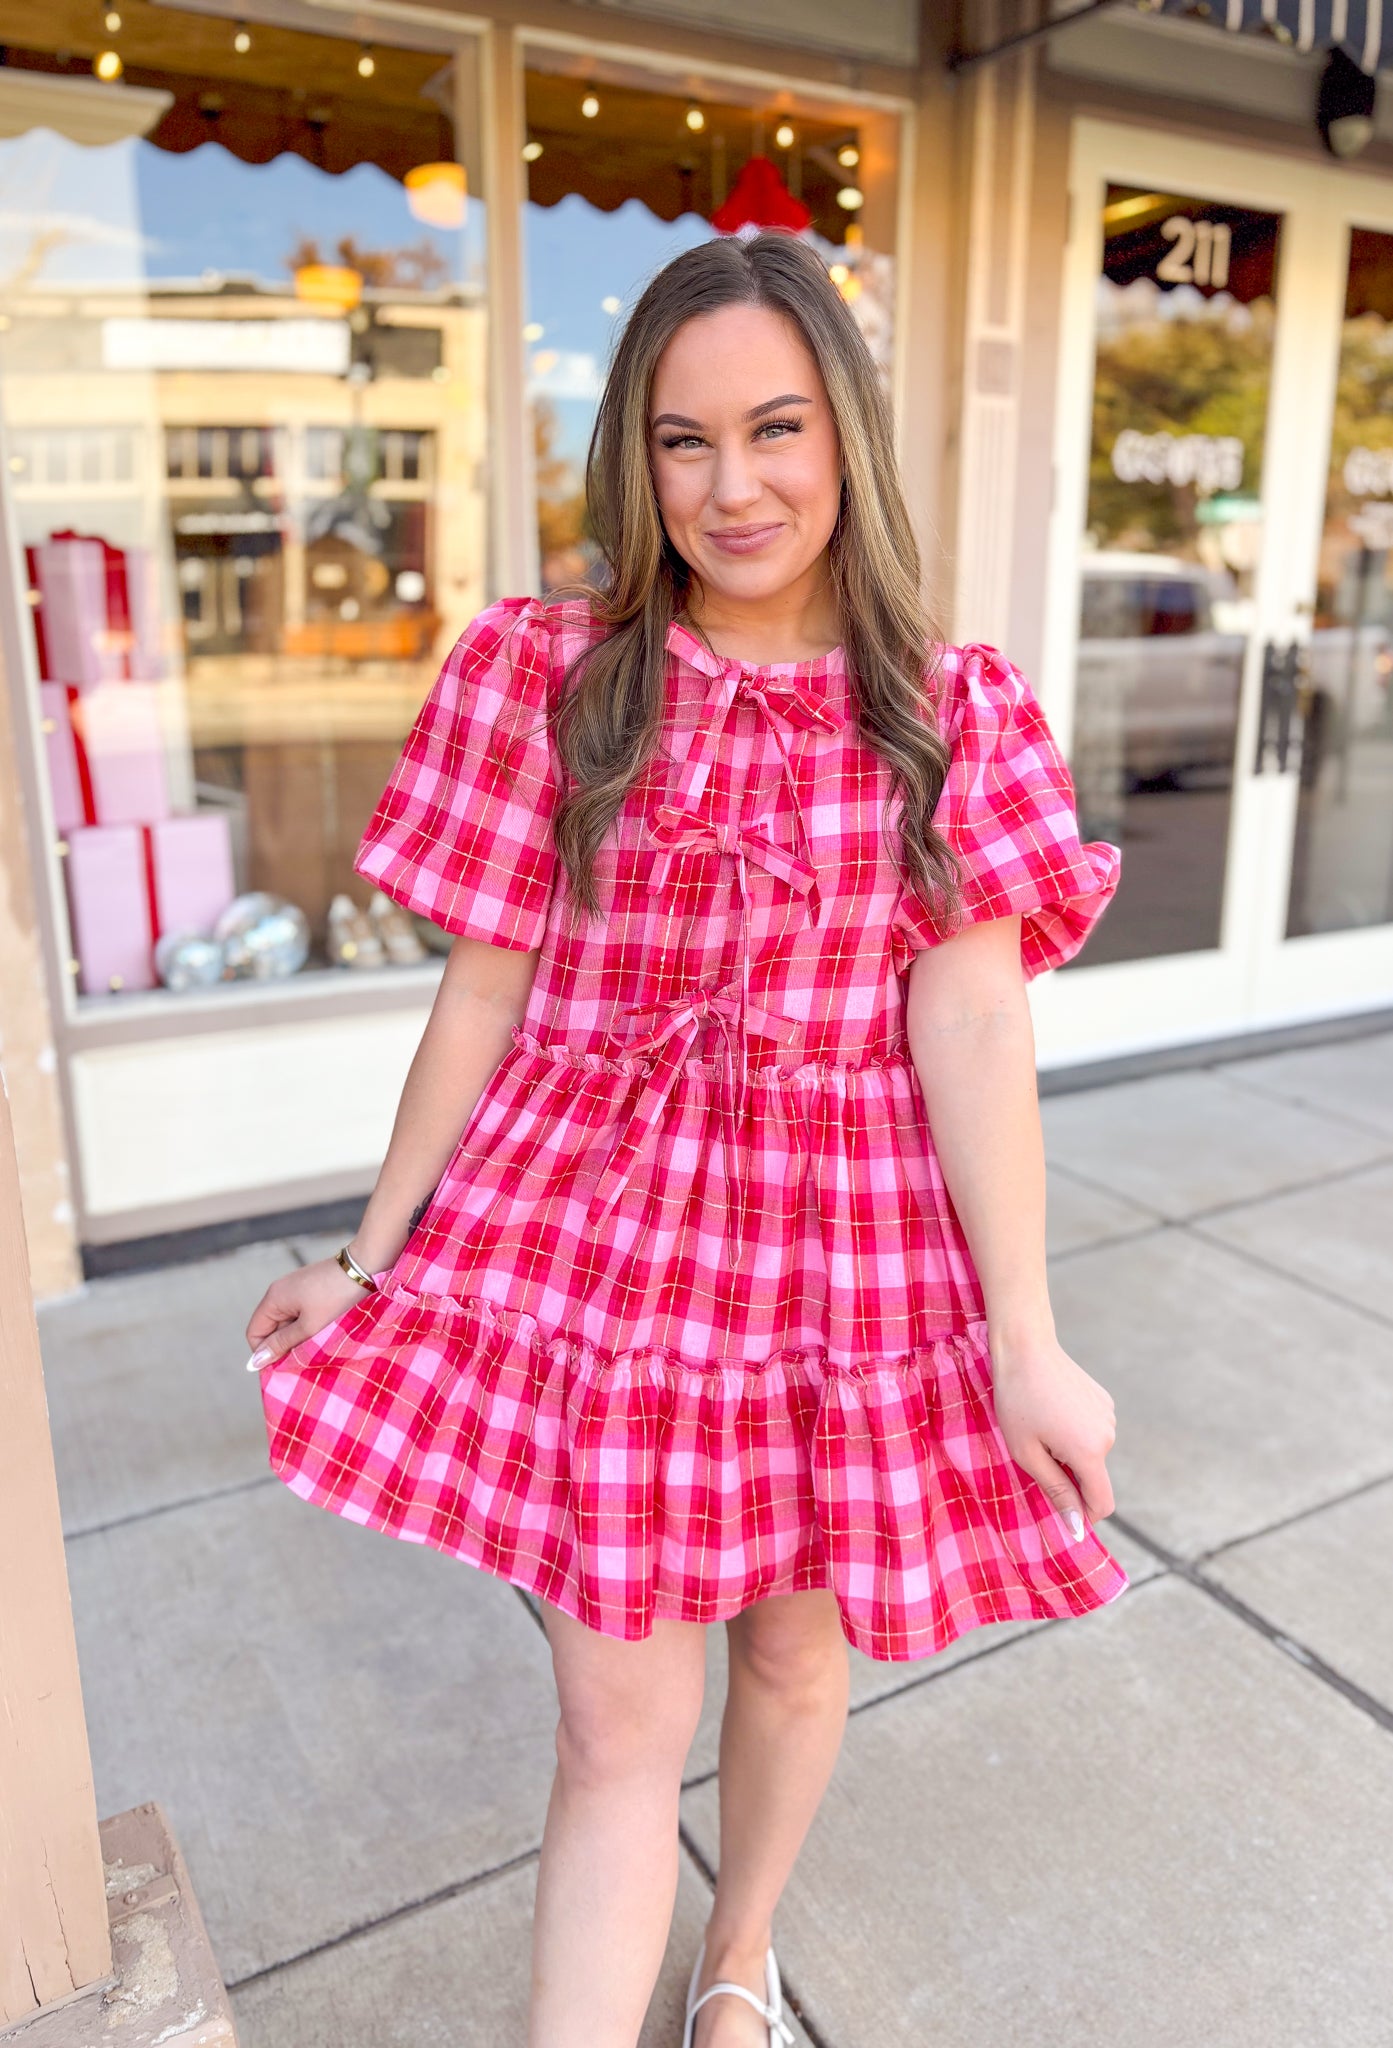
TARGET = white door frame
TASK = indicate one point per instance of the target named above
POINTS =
(1255, 977)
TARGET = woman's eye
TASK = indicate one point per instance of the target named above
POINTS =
(680, 440)
(788, 426)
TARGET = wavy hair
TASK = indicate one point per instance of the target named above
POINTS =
(608, 725)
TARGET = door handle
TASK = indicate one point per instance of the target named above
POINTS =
(1283, 681)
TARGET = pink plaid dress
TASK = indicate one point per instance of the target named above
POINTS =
(690, 1319)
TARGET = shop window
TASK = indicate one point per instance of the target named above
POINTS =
(629, 166)
(241, 344)
(1342, 867)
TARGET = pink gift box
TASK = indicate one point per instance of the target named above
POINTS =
(72, 803)
(109, 901)
(118, 724)
(77, 641)
(191, 869)
(145, 655)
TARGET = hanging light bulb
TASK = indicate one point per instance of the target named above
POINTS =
(111, 21)
(696, 120)
(437, 194)
(590, 106)
(848, 156)
(850, 197)
(783, 135)
(367, 63)
(241, 39)
(531, 151)
(107, 65)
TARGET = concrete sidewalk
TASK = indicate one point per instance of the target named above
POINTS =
(1162, 1825)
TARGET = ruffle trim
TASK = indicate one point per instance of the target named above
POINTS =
(639, 1485)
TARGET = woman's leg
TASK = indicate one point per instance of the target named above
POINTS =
(784, 1720)
(608, 1875)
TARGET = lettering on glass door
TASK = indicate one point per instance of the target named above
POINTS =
(1199, 253)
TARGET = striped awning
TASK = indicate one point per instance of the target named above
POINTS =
(1355, 26)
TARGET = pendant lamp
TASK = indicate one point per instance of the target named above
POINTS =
(759, 198)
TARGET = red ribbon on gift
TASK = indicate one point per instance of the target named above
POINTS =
(147, 847)
(84, 766)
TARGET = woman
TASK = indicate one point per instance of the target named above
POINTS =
(704, 1277)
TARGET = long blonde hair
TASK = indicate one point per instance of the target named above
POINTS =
(609, 723)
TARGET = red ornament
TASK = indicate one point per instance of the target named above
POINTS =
(759, 198)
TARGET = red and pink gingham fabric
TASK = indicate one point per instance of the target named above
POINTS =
(690, 1319)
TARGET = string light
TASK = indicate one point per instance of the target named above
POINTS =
(783, 135)
(848, 156)
(696, 120)
(590, 106)
(242, 39)
(531, 151)
(367, 63)
(111, 21)
(107, 65)
(849, 197)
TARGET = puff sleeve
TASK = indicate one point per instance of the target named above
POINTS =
(1007, 809)
(462, 832)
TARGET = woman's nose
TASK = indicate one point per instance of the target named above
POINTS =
(736, 484)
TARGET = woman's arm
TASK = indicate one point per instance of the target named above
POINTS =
(483, 992)
(973, 1047)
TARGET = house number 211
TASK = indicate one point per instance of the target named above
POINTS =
(1201, 252)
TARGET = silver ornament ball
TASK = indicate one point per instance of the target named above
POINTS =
(185, 960)
(263, 937)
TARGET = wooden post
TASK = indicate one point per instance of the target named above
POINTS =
(54, 1938)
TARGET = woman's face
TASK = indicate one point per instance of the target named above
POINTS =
(746, 462)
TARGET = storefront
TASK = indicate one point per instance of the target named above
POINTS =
(301, 334)
(303, 317)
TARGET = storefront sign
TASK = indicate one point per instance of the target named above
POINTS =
(317, 346)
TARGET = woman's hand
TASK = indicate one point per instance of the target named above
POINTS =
(1053, 1414)
(298, 1305)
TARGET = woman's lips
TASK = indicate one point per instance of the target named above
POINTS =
(743, 540)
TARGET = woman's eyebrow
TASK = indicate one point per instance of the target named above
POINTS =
(772, 404)
(677, 419)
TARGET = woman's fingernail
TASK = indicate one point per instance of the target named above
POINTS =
(1076, 1524)
(260, 1358)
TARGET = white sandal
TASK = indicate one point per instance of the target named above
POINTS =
(770, 2011)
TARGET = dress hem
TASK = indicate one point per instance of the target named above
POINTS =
(543, 1586)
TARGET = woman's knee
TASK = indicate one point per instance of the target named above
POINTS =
(628, 1710)
(792, 1645)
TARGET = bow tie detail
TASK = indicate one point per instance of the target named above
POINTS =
(677, 830)
(797, 699)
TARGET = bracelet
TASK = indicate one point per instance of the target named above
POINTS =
(354, 1271)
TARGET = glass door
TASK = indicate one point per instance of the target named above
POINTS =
(1339, 910)
(1220, 644)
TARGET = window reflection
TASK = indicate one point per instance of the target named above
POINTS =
(240, 354)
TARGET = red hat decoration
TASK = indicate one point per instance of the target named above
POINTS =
(759, 198)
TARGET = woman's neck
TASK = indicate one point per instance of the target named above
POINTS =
(791, 627)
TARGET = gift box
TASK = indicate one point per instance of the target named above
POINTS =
(129, 884)
(190, 863)
(117, 732)
(76, 640)
(109, 903)
(69, 779)
(141, 582)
